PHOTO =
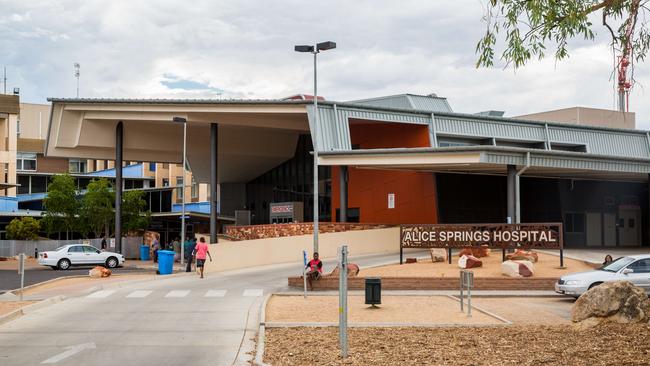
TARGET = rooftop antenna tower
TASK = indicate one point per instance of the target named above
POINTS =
(77, 73)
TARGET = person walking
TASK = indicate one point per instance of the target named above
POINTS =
(202, 249)
(188, 247)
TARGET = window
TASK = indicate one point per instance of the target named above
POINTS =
(77, 165)
(179, 190)
(641, 266)
(76, 249)
(165, 182)
(18, 128)
(195, 188)
(574, 223)
(165, 166)
(26, 161)
(89, 249)
(152, 167)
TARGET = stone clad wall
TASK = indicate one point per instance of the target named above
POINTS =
(250, 232)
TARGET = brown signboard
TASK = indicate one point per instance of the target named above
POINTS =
(535, 235)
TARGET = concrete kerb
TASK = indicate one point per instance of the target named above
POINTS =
(380, 325)
(259, 351)
(476, 293)
(30, 308)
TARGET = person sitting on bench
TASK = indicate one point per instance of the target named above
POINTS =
(314, 269)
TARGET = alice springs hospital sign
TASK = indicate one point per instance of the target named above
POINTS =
(504, 236)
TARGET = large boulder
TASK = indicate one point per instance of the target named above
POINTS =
(469, 261)
(613, 302)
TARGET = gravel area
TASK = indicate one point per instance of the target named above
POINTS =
(547, 266)
(613, 344)
(394, 309)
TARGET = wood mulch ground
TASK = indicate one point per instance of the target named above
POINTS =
(613, 344)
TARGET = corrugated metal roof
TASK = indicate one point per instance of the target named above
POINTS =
(174, 101)
(408, 101)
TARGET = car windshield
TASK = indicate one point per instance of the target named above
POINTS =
(616, 265)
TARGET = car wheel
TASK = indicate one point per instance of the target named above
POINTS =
(111, 262)
(64, 264)
(595, 284)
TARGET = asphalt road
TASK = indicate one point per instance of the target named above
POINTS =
(172, 321)
(10, 279)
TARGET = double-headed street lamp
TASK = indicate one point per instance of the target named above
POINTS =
(184, 122)
(323, 46)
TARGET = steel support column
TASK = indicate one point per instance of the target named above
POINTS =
(343, 189)
(119, 139)
(511, 182)
(214, 141)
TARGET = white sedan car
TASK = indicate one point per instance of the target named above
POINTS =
(633, 268)
(79, 255)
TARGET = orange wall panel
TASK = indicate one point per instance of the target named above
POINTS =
(368, 189)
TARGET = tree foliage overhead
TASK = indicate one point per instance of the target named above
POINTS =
(531, 28)
(134, 216)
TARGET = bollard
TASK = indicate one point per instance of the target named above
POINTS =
(21, 272)
(466, 281)
(343, 300)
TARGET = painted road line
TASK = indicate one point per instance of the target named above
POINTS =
(177, 293)
(253, 292)
(139, 294)
(100, 294)
(71, 351)
(215, 293)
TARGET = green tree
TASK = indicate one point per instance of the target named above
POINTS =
(26, 228)
(96, 211)
(134, 216)
(529, 27)
(60, 204)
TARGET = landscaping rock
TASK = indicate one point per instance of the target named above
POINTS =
(411, 260)
(612, 302)
(523, 255)
(469, 261)
(99, 272)
(438, 254)
(478, 252)
(517, 268)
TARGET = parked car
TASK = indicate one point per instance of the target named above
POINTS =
(633, 268)
(79, 255)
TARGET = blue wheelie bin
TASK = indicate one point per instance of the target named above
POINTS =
(165, 262)
(144, 253)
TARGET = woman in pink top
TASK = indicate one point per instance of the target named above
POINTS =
(200, 253)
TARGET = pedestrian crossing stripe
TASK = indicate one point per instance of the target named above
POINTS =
(139, 294)
(177, 293)
(215, 293)
(253, 292)
(101, 294)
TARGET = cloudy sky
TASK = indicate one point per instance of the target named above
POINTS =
(244, 49)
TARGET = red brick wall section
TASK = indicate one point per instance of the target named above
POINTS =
(430, 283)
(305, 228)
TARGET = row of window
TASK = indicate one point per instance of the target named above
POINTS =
(27, 162)
(461, 141)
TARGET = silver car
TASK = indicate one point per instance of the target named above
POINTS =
(634, 268)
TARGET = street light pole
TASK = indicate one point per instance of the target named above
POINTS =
(323, 46)
(184, 122)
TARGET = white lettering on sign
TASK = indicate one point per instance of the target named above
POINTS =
(391, 200)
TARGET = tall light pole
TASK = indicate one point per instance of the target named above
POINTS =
(323, 46)
(77, 73)
(184, 122)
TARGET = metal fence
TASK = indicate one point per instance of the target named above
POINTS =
(11, 248)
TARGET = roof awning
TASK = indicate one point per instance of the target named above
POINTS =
(254, 136)
(494, 161)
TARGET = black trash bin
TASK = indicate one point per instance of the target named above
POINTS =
(373, 291)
